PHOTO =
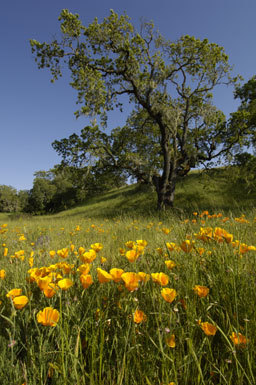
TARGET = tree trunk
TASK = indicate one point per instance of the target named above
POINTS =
(165, 193)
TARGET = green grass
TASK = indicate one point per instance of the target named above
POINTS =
(96, 340)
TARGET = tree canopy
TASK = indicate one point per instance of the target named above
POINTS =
(174, 126)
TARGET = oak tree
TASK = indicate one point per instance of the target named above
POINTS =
(170, 84)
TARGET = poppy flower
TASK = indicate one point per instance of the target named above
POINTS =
(97, 247)
(86, 280)
(144, 277)
(170, 264)
(81, 250)
(130, 244)
(201, 291)
(160, 278)
(116, 274)
(14, 293)
(48, 316)
(104, 276)
(84, 269)
(131, 280)
(187, 246)
(52, 253)
(43, 282)
(208, 329)
(65, 283)
(170, 246)
(139, 316)
(132, 255)
(20, 302)
(141, 242)
(88, 256)
(50, 290)
(2, 274)
(238, 339)
(170, 340)
(168, 294)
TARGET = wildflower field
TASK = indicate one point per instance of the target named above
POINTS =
(128, 301)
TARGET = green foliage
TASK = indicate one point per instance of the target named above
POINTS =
(65, 186)
(170, 85)
(9, 200)
(247, 95)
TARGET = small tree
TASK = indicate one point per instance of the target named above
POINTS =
(170, 83)
(9, 200)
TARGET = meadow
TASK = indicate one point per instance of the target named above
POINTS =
(90, 297)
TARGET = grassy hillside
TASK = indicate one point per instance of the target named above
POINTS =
(210, 190)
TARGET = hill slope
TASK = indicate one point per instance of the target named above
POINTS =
(211, 190)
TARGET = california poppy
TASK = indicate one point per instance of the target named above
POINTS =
(139, 316)
(201, 291)
(48, 316)
(20, 301)
(168, 294)
(208, 329)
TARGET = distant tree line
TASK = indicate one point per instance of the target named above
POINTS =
(59, 189)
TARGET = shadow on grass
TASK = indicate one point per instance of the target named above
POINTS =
(209, 190)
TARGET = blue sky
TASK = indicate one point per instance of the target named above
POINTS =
(35, 112)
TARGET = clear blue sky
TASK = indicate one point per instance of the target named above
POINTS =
(34, 112)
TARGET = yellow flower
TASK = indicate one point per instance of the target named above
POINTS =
(165, 230)
(65, 283)
(81, 250)
(187, 246)
(171, 246)
(43, 282)
(88, 256)
(50, 290)
(5, 251)
(104, 276)
(160, 278)
(97, 247)
(31, 261)
(130, 244)
(2, 274)
(131, 280)
(208, 329)
(132, 255)
(144, 277)
(139, 316)
(168, 294)
(63, 253)
(116, 274)
(22, 238)
(170, 264)
(201, 291)
(20, 302)
(142, 242)
(238, 339)
(48, 316)
(103, 260)
(171, 341)
(14, 293)
(86, 280)
(52, 253)
(84, 269)
(160, 251)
